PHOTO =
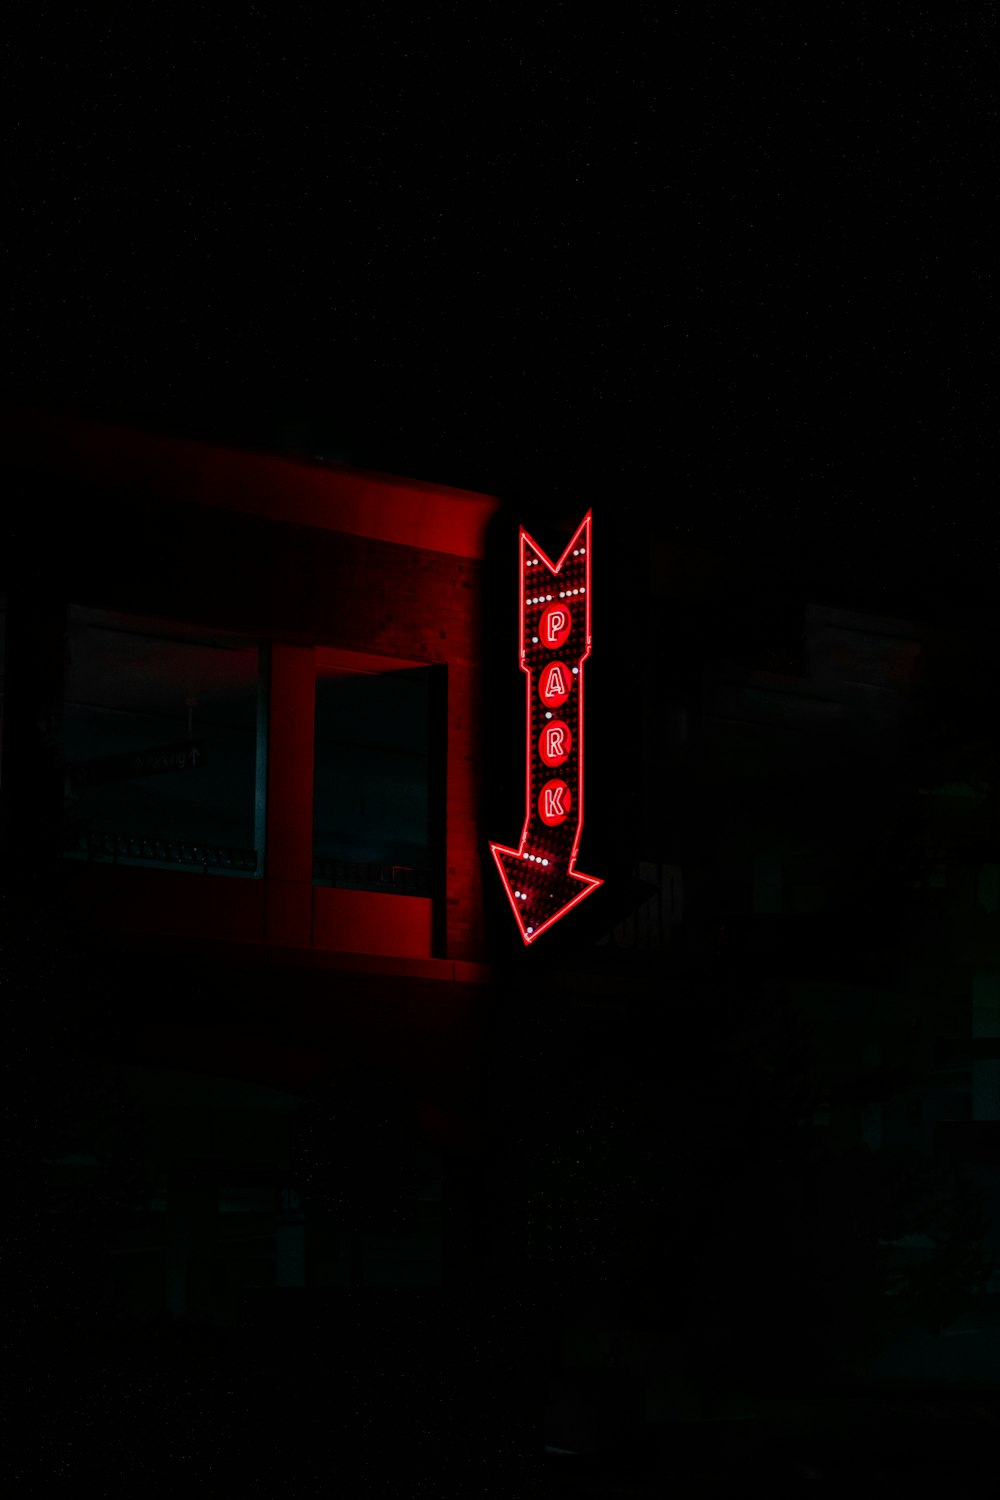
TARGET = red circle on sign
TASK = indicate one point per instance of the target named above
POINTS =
(554, 803)
(554, 625)
(555, 743)
(554, 684)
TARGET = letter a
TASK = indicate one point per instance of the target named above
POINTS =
(554, 685)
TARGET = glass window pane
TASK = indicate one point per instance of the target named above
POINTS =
(160, 745)
(371, 793)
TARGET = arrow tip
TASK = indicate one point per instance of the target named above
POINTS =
(538, 902)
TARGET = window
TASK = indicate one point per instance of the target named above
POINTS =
(986, 1025)
(373, 780)
(161, 737)
(989, 882)
(767, 882)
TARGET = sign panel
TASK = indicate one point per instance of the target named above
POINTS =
(185, 756)
(540, 875)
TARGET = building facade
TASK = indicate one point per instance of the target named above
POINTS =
(241, 692)
(244, 714)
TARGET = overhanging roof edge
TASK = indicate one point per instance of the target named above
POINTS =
(382, 507)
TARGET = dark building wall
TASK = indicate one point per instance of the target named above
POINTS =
(202, 982)
(772, 776)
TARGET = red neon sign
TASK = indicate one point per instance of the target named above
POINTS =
(540, 875)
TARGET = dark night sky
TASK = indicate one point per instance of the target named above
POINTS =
(732, 261)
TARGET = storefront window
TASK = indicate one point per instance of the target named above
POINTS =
(372, 792)
(161, 745)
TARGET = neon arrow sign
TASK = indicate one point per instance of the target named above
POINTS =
(539, 876)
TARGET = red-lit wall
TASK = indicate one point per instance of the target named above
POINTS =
(408, 607)
(319, 561)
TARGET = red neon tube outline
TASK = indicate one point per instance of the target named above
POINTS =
(587, 883)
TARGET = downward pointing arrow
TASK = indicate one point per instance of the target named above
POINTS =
(539, 876)
(540, 897)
